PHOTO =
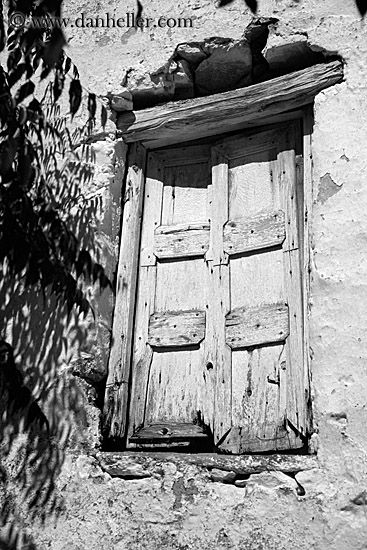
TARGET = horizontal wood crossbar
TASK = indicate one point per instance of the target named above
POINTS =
(168, 432)
(181, 241)
(254, 326)
(176, 328)
(194, 118)
(255, 233)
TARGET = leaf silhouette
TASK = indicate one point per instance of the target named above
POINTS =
(24, 91)
(75, 95)
(103, 116)
(54, 47)
(58, 84)
(92, 105)
(67, 64)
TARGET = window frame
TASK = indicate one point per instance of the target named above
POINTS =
(142, 137)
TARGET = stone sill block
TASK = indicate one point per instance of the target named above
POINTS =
(137, 465)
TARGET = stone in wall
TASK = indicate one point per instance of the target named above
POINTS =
(228, 65)
(210, 66)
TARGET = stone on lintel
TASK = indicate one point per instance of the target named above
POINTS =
(228, 66)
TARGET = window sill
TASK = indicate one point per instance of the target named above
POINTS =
(138, 465)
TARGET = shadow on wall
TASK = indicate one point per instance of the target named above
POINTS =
(42, 407)
(40, 404)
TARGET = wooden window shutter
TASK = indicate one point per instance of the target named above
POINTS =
(265, 325)
(170, 314)
(218, 336)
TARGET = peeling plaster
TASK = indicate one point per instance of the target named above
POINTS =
(327, 188)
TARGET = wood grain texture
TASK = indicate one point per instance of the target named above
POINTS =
(257, 414)
(186, 155)
(185, 191)
(176, 328)
(259, 325)
(173, 387)
(259, 387)
(181, 241)
(217, 355)
(247, 145)
(142, 352)
(152, 210)
(218, 209)
(252, 180)
(296, 412)
(173, 380)
(254, 233)
(195, 118)
(116, 397)
(167, 432)
(306, 220)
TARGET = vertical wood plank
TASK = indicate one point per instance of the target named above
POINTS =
(257, 416)
(295, 404)
(173, 387)
(308, 121)
(217, 354)
(218, 208)
(185, 193)
(152, 210)
(253, 189)
(115, 409)
(256, 280)
(143, 354)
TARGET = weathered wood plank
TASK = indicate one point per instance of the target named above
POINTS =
(128, 462)
(247, 144)
(185, 186)
(258, 420)
(258, 385)
(186, 155)
(296, 399)
(288, 185)
(167, 432)
(255, 233)
(218, 208)
(191, 119)
(152, 210)
(143, 353)
(256, 326)
(176, 328)
(306, 221)
(217, 355)
(181, 241)
(175, 378)
(120, 356)
(294, 368)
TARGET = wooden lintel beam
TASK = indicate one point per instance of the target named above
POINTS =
(190, 119)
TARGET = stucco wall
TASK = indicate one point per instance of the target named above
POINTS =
(179, 506)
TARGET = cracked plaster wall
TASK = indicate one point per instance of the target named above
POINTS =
(179, 506)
